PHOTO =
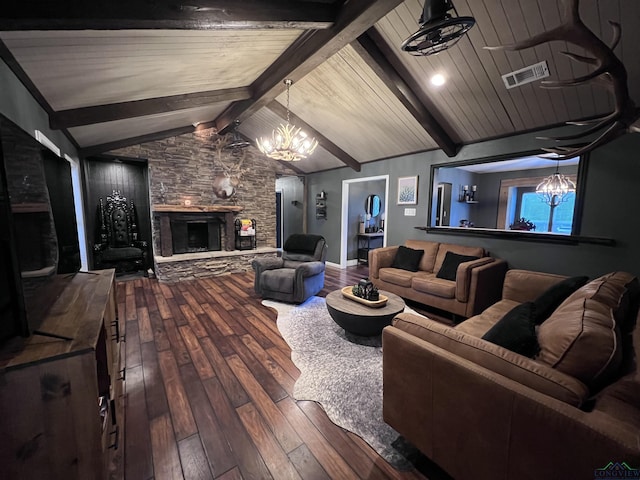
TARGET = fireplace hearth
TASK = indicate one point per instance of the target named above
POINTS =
(195, 228)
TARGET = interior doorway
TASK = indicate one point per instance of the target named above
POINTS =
(290, 210)
(345, 231)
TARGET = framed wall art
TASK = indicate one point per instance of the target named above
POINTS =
(407, 190)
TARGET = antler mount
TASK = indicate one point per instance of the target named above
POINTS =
(608, 70)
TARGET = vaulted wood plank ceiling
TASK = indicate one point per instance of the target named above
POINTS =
(117, 75)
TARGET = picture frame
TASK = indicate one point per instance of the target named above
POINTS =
(408, 190)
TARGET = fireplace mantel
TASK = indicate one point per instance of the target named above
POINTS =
(197, 208)
(166, 212)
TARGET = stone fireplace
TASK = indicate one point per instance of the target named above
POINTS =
(182, 172)
(199, 241)
(195, 228)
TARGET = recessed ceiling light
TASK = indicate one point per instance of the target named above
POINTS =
(437, 80)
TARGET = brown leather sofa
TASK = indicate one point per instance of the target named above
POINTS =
(481, 411)
(477, 284)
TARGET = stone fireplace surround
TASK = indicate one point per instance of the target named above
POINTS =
(167, 213)
(172, 267)
(182, 170)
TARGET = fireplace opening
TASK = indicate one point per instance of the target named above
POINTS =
(196, 234)
(197, 237)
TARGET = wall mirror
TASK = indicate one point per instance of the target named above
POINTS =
(372, 205)
(524, 194)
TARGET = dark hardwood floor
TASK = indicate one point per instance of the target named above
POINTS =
(208, 391)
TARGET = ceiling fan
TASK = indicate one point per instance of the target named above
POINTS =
(439, 29)
(237, 141)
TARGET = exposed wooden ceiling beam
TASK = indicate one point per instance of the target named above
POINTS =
(305, 54)
(169, 14)
(400, 86)
(127, 142)
(137, 108)
(324, 142)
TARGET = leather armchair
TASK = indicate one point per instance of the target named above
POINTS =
(297, 275)
(117, 242)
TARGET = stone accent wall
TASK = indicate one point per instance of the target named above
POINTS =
(188, 165)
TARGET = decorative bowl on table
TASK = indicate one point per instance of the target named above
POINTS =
(347, 292)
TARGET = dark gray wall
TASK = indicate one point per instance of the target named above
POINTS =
(292, 204)
(17, 104)
(609, 206)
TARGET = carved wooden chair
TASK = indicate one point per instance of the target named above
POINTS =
(117, 241)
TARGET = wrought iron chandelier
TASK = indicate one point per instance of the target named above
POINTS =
(287, 142)
(556, 188)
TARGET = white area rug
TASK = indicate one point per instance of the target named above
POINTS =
(342, 372)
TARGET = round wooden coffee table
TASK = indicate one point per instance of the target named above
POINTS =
(360, 319)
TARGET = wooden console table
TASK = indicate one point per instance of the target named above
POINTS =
(364, 245)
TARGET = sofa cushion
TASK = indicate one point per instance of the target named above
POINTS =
(449, 266)
(545, 304)
(480, 324)
(430, 251)
(582, 337)
(525, 285)
(122, 253)
(396, 276)
(516, 331)
(429, 283)
(459, 249)
(499, 360)
(407, 258)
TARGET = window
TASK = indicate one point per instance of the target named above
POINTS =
(546, 219)
(520, 206)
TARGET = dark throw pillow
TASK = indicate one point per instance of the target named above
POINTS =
(450, 265)
(407, 258)
(551, 298)
(516, 331)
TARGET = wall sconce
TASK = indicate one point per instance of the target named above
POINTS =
(468, 193)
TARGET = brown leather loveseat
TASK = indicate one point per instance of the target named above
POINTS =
(472, 286)
(481, 411)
